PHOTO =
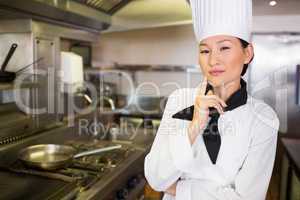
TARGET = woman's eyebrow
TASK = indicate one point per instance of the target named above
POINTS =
(225, 40)
(203, 44)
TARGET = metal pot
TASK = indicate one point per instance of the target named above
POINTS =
(53, 156)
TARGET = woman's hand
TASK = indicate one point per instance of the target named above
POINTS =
(201, 111)
(172, 189)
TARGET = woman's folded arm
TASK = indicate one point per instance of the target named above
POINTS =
(171, 152)
(252, 180)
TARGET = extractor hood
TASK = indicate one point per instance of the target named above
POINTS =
(106, 6)
(64, 12)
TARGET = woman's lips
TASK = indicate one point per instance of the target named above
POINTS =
(216, 72)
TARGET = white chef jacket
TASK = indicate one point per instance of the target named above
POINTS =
(245, 160)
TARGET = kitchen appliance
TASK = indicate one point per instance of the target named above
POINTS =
(72, 72)
(6, 76)
(111, 175)
(53, 156)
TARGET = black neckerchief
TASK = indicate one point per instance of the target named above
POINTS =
(211, 134)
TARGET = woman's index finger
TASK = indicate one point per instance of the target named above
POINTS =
(202, 86)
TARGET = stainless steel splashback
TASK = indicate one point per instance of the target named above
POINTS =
(272, 76)
(36, 40)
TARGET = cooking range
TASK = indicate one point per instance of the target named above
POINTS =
(111, 175)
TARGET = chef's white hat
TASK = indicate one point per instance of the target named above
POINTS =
(222, 17)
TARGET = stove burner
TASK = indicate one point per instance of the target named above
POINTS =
(85, 171)
(106, 160)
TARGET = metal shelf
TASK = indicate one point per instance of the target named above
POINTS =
(11, 86)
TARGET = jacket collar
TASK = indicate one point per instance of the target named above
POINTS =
(238, 98)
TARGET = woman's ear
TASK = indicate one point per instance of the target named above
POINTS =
(249, 54)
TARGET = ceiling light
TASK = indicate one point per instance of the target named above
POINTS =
(272, 3)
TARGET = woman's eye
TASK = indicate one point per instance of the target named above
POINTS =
(224, 48)
(204, 51)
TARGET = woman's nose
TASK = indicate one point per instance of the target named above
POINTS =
(213, 58)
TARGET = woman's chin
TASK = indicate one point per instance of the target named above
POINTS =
(222, 81)
(216, 82)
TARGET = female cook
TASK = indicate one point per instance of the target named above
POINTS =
(216, 142)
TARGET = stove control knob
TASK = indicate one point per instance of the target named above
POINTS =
(132, 182)
(122, 194)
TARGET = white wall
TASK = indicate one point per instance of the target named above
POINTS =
(276, 23)
(171, 45)
(174, 45)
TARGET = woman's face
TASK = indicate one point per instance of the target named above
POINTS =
(222, 59)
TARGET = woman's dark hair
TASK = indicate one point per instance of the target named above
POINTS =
(245, 44)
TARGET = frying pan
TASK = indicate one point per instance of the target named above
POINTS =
(53, 156)
(6, 76)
